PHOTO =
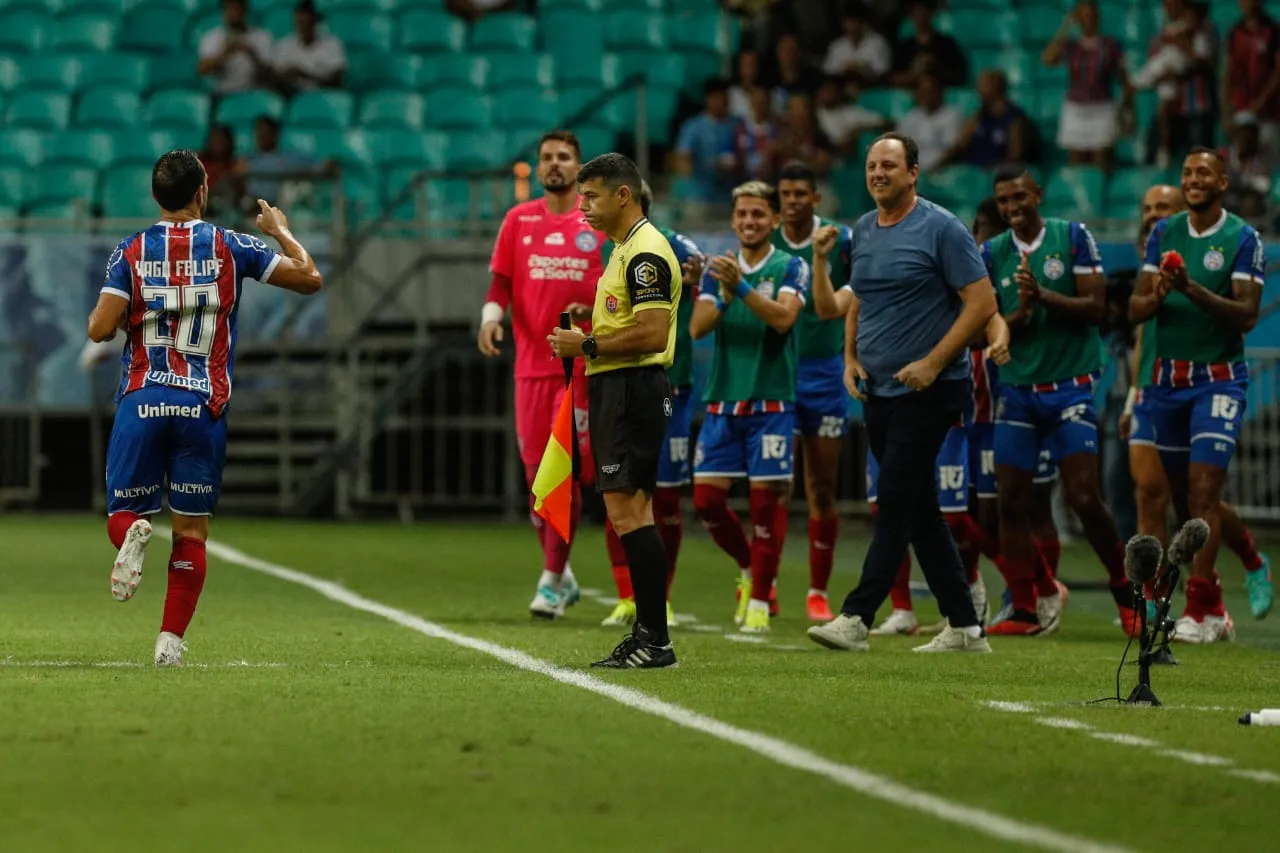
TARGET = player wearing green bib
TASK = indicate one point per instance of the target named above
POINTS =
(751, 301)
(1051, 290)
(822, 403)
(1201, 284)
(673, 464)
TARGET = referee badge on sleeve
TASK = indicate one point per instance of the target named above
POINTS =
(666, 406)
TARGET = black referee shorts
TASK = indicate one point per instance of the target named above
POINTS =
(629, 409)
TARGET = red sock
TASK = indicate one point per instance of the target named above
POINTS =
(1045, 583)
(989, 545)
(822, 551)
(670, 522)
(1204, 598)
(1113, 562)
(618, 561)
(1052, 550)
(1020, 575)
(555, 551)
(766, 544)
(721, 522)
(967, 535)
(186, 579)
(118, 524)
(1246, 550)
(900, 592)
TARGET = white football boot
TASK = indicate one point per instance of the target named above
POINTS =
(126, 572)
(902, 622)
(845, 633)
(169, 649)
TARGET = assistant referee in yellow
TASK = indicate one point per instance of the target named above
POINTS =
(629, 399)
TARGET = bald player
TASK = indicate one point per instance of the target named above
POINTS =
(1159, 476)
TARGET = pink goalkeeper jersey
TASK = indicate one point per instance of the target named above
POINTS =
(551, 261)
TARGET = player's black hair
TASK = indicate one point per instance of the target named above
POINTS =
(175, 179)
(798, 171)
(568, 137)
(908, 145)
(1008, 172)
(715, 84)
(615, 170)
(1212, 152)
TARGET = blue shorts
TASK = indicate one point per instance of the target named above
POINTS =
(165, 441)
(673, 461)
(758, 447)
(822, 403)
(982, 460)
(1031, 424)
(1202, 420)
(953, 472)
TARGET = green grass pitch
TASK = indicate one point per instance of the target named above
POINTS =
(305, 724)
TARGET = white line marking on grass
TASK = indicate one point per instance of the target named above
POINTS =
(1125, 739)
(1013, 707)
(1063, 723)
(1256, 775)
(1197, 758)
(779, 751)
(123, 664)
(745, 638)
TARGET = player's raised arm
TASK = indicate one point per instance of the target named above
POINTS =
(828, 302)
(1239, 311)
(1090, 302)
(296, 270)
(779, 314)
(1149, 292)
(112, 311)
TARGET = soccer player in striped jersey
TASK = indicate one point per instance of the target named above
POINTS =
(174, 290)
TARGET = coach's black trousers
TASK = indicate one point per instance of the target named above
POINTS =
(905, 434)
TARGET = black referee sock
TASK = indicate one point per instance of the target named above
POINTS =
(647, 560)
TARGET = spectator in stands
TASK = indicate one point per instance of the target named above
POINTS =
(236, 55)
(927, 51)
(758, 135)
(861, 55)
(793, 76)
(1181, 67)
(748, 79)
(933, 124)
(999, 132)
(802, 139)
(309, 59)
(1251, 83)
(841, 118)
(706, 152)
(268, 169)
(1090, 120)
(219, 159)
(1250, 165)
(473, 10)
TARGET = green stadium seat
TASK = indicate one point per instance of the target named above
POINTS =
(113, 8)
(458, 199)
(963, 98)
(635, 30)
(1126, 187)
(1021, 67)
(1039, 25)
(295, 140)
(60, 185)
(707, 32)
(83, 33)
(368, 72)
(23, 148)
(391, 110)
(459, 71)
(278, 22)
(528, 106)
(664, 69)
(958, 184)
(39, 110)
(1076, 191)
(602, 72)
(10, 74)
(510, 32)
(658, 6)
(367, 6)
(575, 100)
(178, 108)
(362, 32)
(981, 28)
(168, 73)
(140, 37)
(320, 109)
(50, 73)
(572, 39)
(458, 109)
(94, 148)
(131, 148)
(395, 186)
(198, 24)
(521, 69)
(427, 31)
(24, 32)
(575, 6)
(108, 107)
(619, 114)
(385, 148)
(13, 181)
(114, 69)
(126, 193)
(596, 141)
(894, 103)
(478, 150)
(242, 108)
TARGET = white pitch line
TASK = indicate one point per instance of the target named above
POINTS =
(767, 746)
(1256, 775)
(1125, 739)
(123, 664)
(1013, 707)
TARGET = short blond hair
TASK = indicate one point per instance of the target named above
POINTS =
(758, 189)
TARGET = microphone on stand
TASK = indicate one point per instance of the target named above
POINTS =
(1186, 543)
(1142, 556)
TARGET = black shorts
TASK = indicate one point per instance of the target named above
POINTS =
(629, 409)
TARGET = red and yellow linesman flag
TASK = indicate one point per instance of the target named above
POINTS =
(553, 484)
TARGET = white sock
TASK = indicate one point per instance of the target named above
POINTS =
(746, 574)
(820, 592)
(973, 632)
(550, 579)
(568, 573)
(757, 604)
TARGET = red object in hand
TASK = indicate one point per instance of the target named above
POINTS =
(1172, 262)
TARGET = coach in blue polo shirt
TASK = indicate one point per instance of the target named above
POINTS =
(921, 294)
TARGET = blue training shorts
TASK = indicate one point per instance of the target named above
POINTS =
(165, 440)
(1203, 420)
(673, 461)
(953, 472)
(982, 460)
(758, 446)
(822, 403)
(1031, 424)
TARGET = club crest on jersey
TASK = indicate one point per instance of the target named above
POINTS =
(1054, 268)
(765, 288)
(611, 303)
(586, 241)
(1214, 259)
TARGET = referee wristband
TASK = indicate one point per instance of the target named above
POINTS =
(743, 289)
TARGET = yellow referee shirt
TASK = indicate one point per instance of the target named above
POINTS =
(643, 275)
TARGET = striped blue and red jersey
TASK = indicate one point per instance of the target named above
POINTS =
(183, 283)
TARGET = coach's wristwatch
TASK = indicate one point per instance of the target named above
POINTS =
(589, 347)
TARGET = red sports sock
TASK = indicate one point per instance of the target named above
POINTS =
(988, 544)
(186, 579)
(1204, 598)
(669, 519)
(967, 535)
(721, 522)
(555, 551)
(900, 592)
(118, 524)
(1045, 584)
(1020, 575)
(766, 543)
(618, 561)
(822, 551)
(1052, 550)
(1246, 550)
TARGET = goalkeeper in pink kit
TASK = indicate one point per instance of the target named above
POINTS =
(546, 260)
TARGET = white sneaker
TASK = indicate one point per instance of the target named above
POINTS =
(978, 591)
(846, 633)
(169, 649)
(126, 572)
(1214, 629)
(547, 603)
(1049, 609)
(951, 640)
(898, 622)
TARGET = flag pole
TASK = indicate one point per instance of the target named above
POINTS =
(567, 323)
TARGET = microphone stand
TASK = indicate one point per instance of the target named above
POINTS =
(1150, 652)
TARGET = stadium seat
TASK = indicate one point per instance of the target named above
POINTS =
(575, 6)
(527, 106)
(1127, 186)
(83, 33)
(1039, 25)
(126, 192)
(242, 108)
(521, 69)
(10, 74)
(107, 107)
(114, 69)
(58, 185)
(50, 73)
(131, 148)
(963, 98)
(385, 148)
(658, 6)
(391, 110)
(665, 69)
(199, 23)
(459, 71)
(575, 101)
(178, 108)
(1075, 191)
(24, 32)
(955, 185)
(367, 6)
(427, 31)
(981, 28)
(478, 150)
(12, 186)
(458, 109)
(594, 72)
(39, 110)
(23, 148)
(320, 109)
(706, 33)
(572, 39)
(635, 30)
(894, 103)
(141, 37)
(395, 186)
(849, 184)
(278, 22)
(596, 141)
(510, 32)
(362, 32)
(94, 148)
